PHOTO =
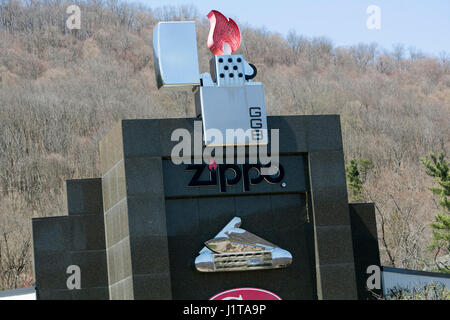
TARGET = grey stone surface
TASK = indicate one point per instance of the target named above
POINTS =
(147, 216)
(84, 196)
(100, 293)
(50, 269)
(93, 267)
(51, 234)
(147, 221)
(328, 188)
(334, 244)
(155, 224)
(122, 290)
(311, 148)
(363, 220)
(111, 150)
(144, 176)
(48, 294)
(87, 232)
(298, 134)
(152, 286)
(149, 254)
(117, 235)
(141, 138)
(119, 261)
(77, 239)
(116, 223)
(365, 245)
(333, 237)
(337, 281)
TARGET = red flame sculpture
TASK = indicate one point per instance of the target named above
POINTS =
(212, 164)
(222, 30)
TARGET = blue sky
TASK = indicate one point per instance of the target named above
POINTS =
(424, 24)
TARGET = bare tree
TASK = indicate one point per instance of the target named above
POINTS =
(15, 262)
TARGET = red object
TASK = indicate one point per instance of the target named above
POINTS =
(212, 164)
(222, 30)
(246, 294)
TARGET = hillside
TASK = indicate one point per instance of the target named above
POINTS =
(62, 90)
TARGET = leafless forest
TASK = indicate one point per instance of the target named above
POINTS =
(61, 90)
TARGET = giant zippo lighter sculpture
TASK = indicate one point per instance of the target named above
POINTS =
(226, 98)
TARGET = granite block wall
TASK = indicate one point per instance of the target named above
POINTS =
(135, 157)
(365, 246)
(115, 210)
(136, 231)
(77, 239)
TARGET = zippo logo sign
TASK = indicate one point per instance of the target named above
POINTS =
(239, 172)
(246, 294)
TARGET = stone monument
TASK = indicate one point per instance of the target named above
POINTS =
(184, 209)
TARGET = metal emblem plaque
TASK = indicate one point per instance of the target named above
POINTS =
(235, 249)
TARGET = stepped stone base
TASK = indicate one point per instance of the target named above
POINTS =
(135, 232)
